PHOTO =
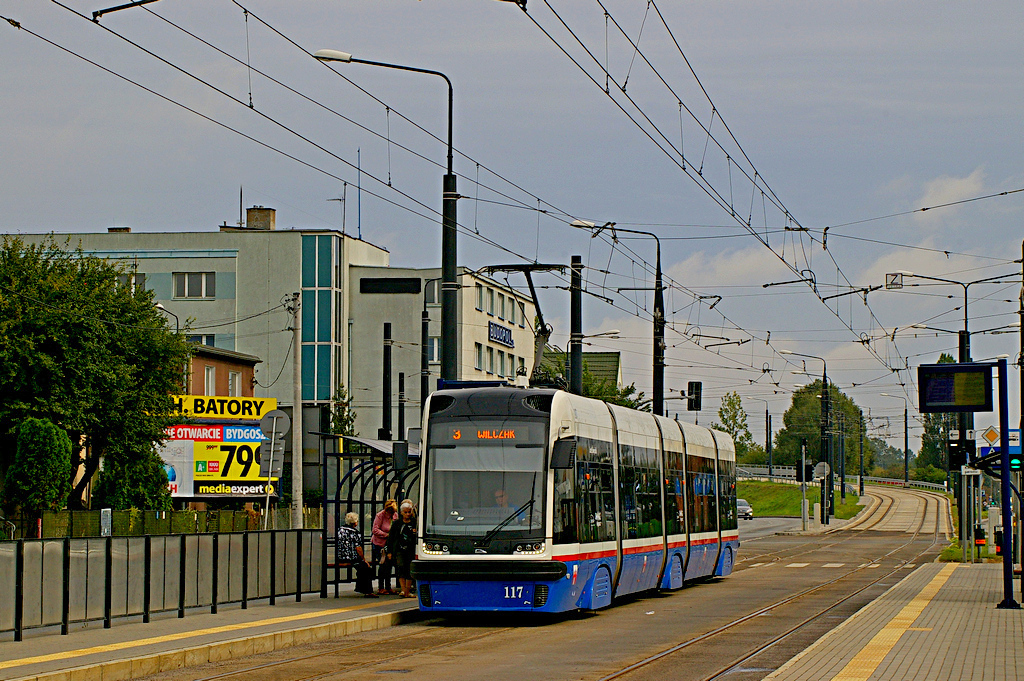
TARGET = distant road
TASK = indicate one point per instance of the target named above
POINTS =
(763, 527)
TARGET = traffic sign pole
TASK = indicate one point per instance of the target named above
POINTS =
(1008, 603)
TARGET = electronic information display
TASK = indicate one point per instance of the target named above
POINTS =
(944, 388)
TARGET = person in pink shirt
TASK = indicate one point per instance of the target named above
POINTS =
(381, 529)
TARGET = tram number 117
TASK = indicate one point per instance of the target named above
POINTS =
(513, 592)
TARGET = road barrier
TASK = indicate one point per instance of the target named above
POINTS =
(103, 578)
(788, 473)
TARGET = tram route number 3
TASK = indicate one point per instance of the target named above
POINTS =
(513, 592)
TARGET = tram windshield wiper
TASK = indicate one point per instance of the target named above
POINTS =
(497, 528)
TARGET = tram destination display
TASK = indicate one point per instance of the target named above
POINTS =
(944, 388)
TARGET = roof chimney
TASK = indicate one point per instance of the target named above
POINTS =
(119, 230)
(259, 217)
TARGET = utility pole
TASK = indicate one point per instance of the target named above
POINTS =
(385, 419)
(860, 482)
(401, 406)
(842, 457)
(576, 326)
(768, 441)
(297, 431)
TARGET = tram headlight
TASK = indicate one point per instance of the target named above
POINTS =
(530, 549)
(435, 548)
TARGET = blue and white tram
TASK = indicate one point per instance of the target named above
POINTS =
(540, 500)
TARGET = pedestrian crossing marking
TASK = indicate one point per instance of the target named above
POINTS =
(797, 565)
(758, 565)
(909, 566)
(874, 565)
(833, 565)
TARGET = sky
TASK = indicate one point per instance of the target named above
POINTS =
(735, 131)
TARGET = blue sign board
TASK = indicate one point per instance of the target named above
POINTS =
(1014, 445)
(499, 334)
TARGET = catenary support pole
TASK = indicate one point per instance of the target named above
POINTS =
(386, 387)
(297, 432)
(1008, 603)
(576, 326)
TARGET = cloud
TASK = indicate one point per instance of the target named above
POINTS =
(754, 265)
(946, 189)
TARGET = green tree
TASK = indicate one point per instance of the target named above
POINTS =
(40, 476)
(936, 433)
(92, 355)
(343, 418)
(734, 422)
(803, 421)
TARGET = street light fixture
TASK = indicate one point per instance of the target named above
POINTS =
(177, 323)
(658, 377)
(906, 438)
(449, 223)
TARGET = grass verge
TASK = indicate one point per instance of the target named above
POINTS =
(782, 499)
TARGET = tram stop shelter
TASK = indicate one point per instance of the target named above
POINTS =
(358, 474)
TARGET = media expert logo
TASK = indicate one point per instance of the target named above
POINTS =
(242, 408)
(233, 490)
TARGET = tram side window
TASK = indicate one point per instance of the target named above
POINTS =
(675, 493)
(595, 493)
(566, 522)
(727, 485)
(700, 475)
(629, 480)
(648, 494)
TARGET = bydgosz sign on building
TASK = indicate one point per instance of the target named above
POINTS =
(219, 454)
(496, 333)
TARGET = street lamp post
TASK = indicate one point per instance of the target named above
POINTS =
(658, 377)
(449, 224)
(767, 434)
(906, 438)
(177, 322)
(828, 500)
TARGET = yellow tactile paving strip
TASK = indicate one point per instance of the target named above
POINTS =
(864, 663)
(141, 664)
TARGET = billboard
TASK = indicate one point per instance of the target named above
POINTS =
(219, 454)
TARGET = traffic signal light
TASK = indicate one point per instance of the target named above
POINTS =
(1015, 462)
(806, 474)
(693, 390)
(956, 456)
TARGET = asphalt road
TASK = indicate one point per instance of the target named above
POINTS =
(735, 628)
(763, 527)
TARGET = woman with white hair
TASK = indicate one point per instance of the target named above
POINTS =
(401, 546)
(349, 553)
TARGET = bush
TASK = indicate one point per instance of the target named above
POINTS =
(40, 477)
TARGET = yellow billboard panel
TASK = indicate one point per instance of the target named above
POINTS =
(220, 407)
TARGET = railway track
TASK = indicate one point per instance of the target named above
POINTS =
(868, 523)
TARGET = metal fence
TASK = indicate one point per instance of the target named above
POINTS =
(786, 473)
(104, 578)
(136, 523)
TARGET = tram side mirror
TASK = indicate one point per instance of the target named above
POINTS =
(563, 454)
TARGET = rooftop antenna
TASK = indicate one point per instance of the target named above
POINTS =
(344, 191)
(359, 195)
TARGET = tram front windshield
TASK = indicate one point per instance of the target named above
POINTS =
(485, 477)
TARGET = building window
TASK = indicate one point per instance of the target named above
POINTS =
(195, 284)
(204, 339)
(511, 310)
(479, 357)
(522, 315)
(501, 306)
(210, 380)
(490, 301)
(480, 297)
(434, 349)
(430, 292)
(501, 363)
(234, 383)
(490, 360)
(522, 367)
(136, 281)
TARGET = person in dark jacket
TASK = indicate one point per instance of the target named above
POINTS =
(349, 553)
(401, 546)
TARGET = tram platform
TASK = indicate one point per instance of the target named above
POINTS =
(131, 649)
(939, 623)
